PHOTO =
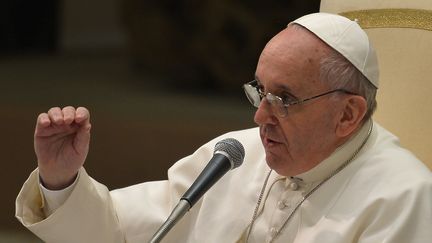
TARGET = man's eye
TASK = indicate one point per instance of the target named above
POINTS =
(288, 98)
(260, 88)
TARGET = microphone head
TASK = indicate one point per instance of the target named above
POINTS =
(233, 149)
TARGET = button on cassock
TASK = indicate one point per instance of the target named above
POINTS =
(273, 232)
(293, 186)
(282, 204)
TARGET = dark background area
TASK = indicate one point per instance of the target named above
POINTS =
(159, 77)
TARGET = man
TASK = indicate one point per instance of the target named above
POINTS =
(322, 171)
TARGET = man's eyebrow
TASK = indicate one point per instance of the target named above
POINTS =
(284, 88)
(279, 87)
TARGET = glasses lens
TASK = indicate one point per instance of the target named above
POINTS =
(277, 104)
(252, 95)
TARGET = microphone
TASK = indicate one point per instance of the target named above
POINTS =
(228, 154)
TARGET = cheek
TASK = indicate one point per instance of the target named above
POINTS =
(306, 135)
(295, 138)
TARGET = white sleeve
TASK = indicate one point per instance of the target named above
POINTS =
(88, 209)
(53, 199)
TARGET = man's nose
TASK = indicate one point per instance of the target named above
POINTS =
(264, 114)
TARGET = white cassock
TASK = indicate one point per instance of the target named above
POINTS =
(384, 194)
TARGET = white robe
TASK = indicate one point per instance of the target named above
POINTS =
(383, 195)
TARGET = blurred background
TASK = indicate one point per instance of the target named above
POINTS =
(159, 77)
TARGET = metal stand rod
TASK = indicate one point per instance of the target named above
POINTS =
(182, 207)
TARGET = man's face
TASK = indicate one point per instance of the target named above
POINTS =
(289, 65)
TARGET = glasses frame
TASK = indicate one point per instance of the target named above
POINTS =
(255, 95)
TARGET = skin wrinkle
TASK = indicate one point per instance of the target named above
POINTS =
(298, 142)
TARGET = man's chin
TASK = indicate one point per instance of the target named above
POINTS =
(280, 166)
(274, 162)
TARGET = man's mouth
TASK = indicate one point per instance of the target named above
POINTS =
(269, 138)
(270, 141)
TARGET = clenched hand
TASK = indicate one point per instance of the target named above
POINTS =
(61, 143)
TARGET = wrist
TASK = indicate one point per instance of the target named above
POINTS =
(56, 184)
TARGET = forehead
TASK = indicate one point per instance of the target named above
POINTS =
(291, 59)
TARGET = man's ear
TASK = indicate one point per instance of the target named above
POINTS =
(351, 116)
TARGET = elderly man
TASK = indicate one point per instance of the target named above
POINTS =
(318, 169)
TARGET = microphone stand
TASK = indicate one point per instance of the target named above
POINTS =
(178, 212)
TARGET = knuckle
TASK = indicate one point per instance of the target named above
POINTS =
(68, 108)
(82, 109)
(83, 112)
(53, 110)
(41, 117)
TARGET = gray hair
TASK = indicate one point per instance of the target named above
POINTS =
(339, 73)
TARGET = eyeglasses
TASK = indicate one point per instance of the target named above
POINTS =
(279, 105)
